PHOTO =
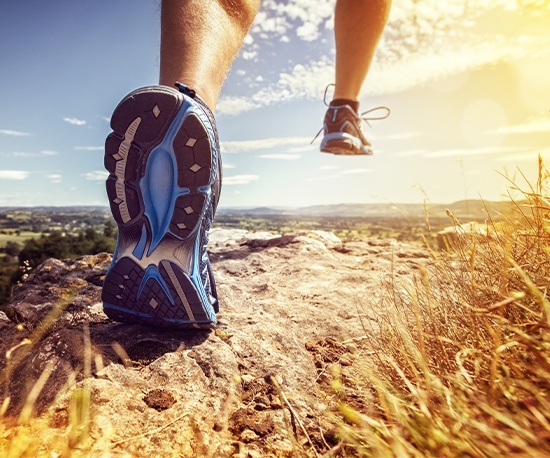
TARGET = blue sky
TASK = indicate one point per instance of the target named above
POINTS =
(467, 83)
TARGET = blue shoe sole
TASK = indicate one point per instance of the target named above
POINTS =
(163, 161)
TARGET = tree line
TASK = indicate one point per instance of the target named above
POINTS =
(18, 259)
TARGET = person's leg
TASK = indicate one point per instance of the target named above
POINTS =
(199, 40)
(164, 165)
(358, 26)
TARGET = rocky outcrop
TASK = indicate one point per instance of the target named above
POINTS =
(258, 384)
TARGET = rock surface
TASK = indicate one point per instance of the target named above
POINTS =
(290, 307)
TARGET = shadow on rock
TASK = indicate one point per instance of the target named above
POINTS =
(56, 327)
(138, 345)
(65, 353)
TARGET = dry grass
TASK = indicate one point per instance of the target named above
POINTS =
(462, 365)
(30, 436)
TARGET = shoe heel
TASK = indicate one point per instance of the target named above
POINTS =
(161, 158)
(162, 297)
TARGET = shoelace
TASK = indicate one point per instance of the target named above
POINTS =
(362, 116)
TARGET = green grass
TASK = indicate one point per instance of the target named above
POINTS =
(19, 238)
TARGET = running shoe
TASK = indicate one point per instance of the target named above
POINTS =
(163, 187)
(342, 131)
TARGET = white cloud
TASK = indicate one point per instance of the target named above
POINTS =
(533, 126)
(55, 177)
(410, 153)
(246, 146)
(264, 24)
(436, 63)
(530, 156)
(403, 136)
(75, 121)
(306, 17)
(308, 31)
(424, 42)
(239, 179)
(330, 167)
(89, 148)
(249, 55)
(227, 165)
(303, 149)
(13, 174)
(354, 171)
(248, 40)
(338, 174)
(96, 175)
(235, 105)
(303, 81)
(321, 178)
(14, 133)
(489, 150)
(31, 154)
(308, 81)
(285, 157)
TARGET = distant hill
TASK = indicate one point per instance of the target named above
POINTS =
(383, 209)
(52, 209)
(477, 208)
(464, 209)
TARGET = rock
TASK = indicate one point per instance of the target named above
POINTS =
(248, 436)
(60, 294)
(292, 307)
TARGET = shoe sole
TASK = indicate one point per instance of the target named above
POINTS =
(343, 144)
(162, 164)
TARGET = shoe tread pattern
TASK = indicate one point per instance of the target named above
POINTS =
(126, 168)
(169, 298)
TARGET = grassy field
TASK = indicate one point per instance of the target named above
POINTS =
(13, 236)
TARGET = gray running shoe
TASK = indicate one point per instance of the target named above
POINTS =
(163, 188)
(342, 131)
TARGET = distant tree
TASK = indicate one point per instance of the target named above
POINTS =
(57, 245)
(90, 234)
(12, 248)
(38, 250)
(103, 244)
(109, 229)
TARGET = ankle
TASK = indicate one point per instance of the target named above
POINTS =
(354, 104)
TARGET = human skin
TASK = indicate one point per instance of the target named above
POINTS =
(200, 39)
(358, 27)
